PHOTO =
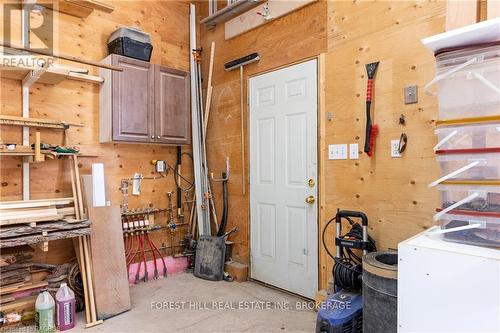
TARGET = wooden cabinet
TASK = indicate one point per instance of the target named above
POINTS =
(172, 99)
(144, 103)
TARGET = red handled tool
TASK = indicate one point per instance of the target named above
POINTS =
(371, 129)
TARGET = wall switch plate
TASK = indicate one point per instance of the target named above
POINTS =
(411, 96)
(353, 151)
(337, 152)
(395, 148)
(160, 166)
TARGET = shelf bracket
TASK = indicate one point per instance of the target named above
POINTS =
(25, 37)
(33, 76)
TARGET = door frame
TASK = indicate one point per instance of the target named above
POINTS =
(320, 151)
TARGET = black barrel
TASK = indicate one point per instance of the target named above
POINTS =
(380, 292)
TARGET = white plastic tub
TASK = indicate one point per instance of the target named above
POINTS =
(468, 136)
(477, 167)
(469, 198)
(468, 83)
(473, 230)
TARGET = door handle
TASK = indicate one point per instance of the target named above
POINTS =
(310, 199)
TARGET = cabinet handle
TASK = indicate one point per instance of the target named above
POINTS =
(158, 137)
(152, 136)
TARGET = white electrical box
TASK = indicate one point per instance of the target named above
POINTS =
(447, 287)
(353, 151)
(395, 148)
(337, 152)
(160, 166)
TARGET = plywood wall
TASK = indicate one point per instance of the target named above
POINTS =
(168, 24)
(393, 192)
(297, 36)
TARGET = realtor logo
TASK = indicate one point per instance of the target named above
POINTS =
(39, 24)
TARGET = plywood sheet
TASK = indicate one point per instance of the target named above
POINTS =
(108, 256)
(392, 192)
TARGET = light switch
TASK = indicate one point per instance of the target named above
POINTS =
(353, 151)
(337, 152)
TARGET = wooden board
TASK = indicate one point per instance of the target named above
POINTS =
(461, 13)
(251, 19)
(111, 287)
(39, 238)
(35, 203)
(78, 8)
(107, 255)
(53, 75)
(21, 287)
(493, 9)
(19, 230)
(35, 122)
(94, 4)
(20, 305)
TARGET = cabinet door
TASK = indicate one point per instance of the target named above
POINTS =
(172, 110)
(133, 100)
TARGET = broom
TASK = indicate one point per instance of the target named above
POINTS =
(371, 131)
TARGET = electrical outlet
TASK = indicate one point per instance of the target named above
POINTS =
(353, 151)
(337, 152)
(395, 148)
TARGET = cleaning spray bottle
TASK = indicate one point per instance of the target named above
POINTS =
(44, 307)
(65, 304)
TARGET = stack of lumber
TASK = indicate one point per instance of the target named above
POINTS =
(35, 221)
(20, 281)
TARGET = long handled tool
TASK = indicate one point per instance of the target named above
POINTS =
(239, 63)
(371, 129)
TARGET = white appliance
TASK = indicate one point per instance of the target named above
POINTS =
(447, 287)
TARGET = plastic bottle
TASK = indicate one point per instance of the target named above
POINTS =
(45, 311)
(65, 304)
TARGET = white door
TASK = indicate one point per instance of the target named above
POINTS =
(283, 173)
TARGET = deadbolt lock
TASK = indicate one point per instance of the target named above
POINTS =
(310, 199)
(311, 182)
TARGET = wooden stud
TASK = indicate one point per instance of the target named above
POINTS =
(78, 187)
(78, 244)
(38, 155)
(493, 9)
(90, 283)
(323, 258)
(461, 13)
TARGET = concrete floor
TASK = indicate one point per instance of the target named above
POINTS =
(250, 307)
